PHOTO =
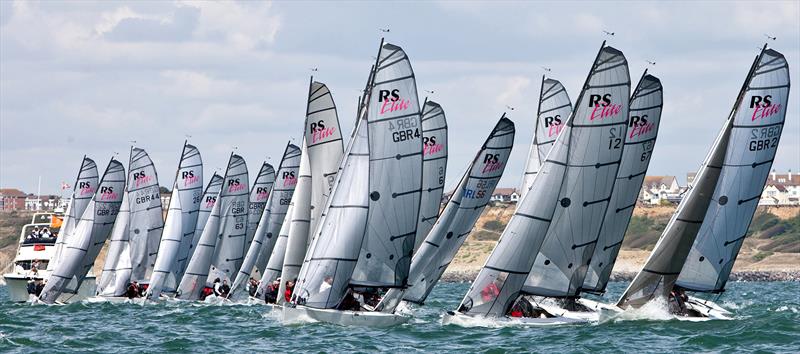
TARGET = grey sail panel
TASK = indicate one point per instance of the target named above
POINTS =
(299, 221)
(107, 285)
(259, 195)
(644, 120)
(146, 218)
(434, 167)
(196, 275)
(757, 127)
(324, 138)
(90, 234)
(207, 202)
(598, 129)
(554, 109)
(234, 199)
(82, 192)
(459, 215)
(180, 223)
(277, 206)
(501, 280)
(395, 148)
(332, 256)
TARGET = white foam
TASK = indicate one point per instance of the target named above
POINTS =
(654, 310)
(787, 308)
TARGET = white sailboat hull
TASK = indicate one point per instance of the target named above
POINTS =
(343, 318)
(463, 320)
(702, 310)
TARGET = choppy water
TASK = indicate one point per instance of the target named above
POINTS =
(767, 319)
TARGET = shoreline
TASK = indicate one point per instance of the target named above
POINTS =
(466, 276)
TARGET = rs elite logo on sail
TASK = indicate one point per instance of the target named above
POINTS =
(603, 107)
(639, 126)
(319, 132)
(429, 145)
(553, 125)
(404, 128)
(262, 194)
(289, 178)
(107, 193)
(85, 188)
(210, 200)
(765, 137)
(491, 162)
(234, 185)
(189, 178)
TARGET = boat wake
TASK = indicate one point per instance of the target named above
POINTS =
(654, 310)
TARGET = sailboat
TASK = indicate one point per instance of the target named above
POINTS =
(209, 198)
(458, 218)
(227, 216)
(180, 224)
(89, 236)
(559, 218)
(319, 163)
(434, 167)
(643, 123)
(554, 108)
(259, 197)
(234, 200)
(267, 236)
(84, 189)
(134, 244)
(698, 248)
(365, 239)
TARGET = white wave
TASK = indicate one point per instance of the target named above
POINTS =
(654, 310)
(785, 308)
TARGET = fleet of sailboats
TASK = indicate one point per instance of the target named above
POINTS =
(347, 233)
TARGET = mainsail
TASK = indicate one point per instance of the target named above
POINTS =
(196, 274)
(115, 276)
(755, 133)
(319, 164)
(643, 123)
(366, 234)
(323, 139)
(277, 206)
(146, 219)
(434, 166)
(554, 108)
(259, 195)
(272, 217)
(234, 202)
(90, 234)
(181, 222)
(600, 121)
(82, 192)
(567, 198)
(206, 204)
(459, 216)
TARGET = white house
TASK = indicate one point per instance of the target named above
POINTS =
(781, 189)
(505, 195)
(656, 189)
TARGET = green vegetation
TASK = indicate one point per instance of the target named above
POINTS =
(494, 225)
(782, 235)
(643, 232)
(758, 257)
(10, 225)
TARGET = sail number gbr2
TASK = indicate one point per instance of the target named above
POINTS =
(404, 129)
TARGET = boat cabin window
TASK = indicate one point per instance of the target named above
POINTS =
(40, 218)
(27, 265)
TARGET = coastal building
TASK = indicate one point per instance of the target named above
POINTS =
(507, 195)
(42, 202)
(12, 199)
(781, 189)
(660, 189)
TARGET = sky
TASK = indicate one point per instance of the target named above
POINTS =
(90, 77)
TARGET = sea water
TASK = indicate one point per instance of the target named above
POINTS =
(767, 319)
